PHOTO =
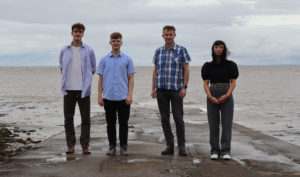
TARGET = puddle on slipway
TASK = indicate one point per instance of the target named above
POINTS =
(255, 155)
(196, 161)
(61, 159)
(137, 160)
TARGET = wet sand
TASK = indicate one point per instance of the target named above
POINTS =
(254, 153)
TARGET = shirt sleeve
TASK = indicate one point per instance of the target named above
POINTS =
(234, 72)
(205, 71)
(101, 66)
(93, 60)
(131, 69)
(155, 58)
(186, 55)
(60, 58)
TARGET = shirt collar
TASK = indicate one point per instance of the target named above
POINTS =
(120, 54)
(82, 45)
(174, 47)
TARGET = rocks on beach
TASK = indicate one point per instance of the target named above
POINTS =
(11, 144)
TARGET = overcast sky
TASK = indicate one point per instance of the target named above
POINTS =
(258, 32)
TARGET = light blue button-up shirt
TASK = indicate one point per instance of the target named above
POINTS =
(88, 66)
(115, 70)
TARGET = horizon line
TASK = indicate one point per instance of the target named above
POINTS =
(152, 65)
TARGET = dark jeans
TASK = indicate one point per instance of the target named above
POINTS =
(70, 101)
(164, 97)
(111, 110)
(215, 113)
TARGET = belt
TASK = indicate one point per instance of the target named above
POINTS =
(219, 84)
(167, 90)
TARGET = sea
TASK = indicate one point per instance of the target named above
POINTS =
(267, 99)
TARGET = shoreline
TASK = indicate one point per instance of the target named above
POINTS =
(37, 102)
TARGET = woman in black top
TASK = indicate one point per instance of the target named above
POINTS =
(219, 77)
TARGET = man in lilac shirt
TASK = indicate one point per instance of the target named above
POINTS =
(78, 64)
(115, 88)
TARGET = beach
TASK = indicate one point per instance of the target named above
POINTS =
(254, 154)
(266, 102)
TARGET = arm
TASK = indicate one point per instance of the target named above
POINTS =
(207, 91)
(153, 93)
(93, 61)
(130, 88)
(100, 91)
(186, 75)
(223, 98)
(60, 60)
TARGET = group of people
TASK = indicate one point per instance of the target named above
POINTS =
(116, 71)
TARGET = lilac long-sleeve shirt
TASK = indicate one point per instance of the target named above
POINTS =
(88, 65)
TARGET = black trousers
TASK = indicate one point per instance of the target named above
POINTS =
(164, 98)
(112, 108)
(70, 101)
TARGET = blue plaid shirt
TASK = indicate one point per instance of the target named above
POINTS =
(169, 64)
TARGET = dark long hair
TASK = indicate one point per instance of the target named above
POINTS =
(225, 53)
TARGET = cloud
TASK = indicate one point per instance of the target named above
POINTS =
(257, 31)
(276, 6)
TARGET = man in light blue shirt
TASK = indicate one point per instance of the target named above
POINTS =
(78, 64)
(116, 80)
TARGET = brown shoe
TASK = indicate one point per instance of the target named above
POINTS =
(70, 150)
(86, 150)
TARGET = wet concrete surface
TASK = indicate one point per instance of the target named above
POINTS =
(254, 154)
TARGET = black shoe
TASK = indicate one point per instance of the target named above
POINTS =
(111, 150)
(123, 150)
(182, 152)
(168, 151)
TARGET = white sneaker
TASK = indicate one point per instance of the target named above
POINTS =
(214, 157)
(226, 157)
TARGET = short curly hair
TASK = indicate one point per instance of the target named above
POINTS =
(79, 26)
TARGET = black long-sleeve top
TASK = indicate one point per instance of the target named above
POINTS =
(220, 73)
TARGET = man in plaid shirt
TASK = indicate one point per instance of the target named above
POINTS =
(169, 84)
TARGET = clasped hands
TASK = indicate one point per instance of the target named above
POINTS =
(220, 100)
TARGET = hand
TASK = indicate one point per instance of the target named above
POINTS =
(153, 94)
(223, 98)
(182, 93)
(129, 100)
(100, 101)
(214, 100)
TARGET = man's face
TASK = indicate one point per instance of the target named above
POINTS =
(116, 43)
(169, 36)
(77, 34)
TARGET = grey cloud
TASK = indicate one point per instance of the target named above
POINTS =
(41, 28)
(277, 6)
(109, 12)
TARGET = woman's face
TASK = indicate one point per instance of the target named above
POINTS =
(218, 50)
